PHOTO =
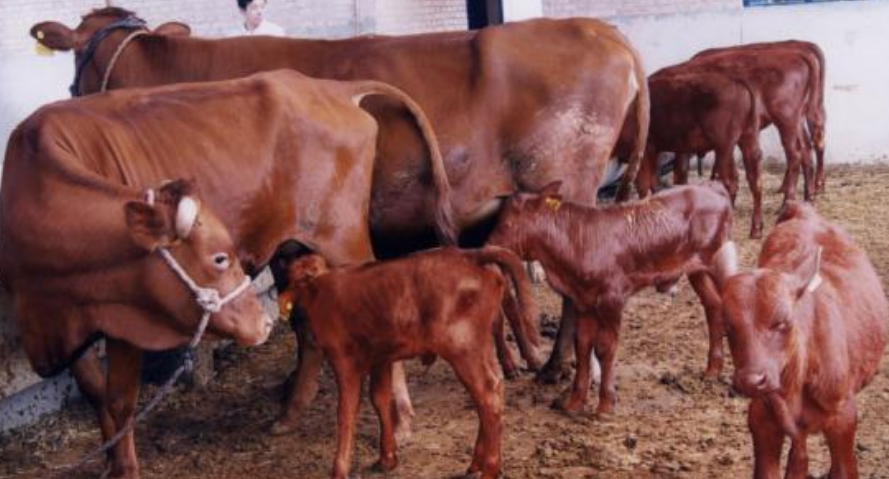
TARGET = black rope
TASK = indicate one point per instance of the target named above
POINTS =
(128, 22)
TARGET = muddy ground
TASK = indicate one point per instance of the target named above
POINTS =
(669, 423)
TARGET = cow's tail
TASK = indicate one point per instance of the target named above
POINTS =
(445, 227)
(816, 102)
(643, 118)
(754, 104)
(521, 317)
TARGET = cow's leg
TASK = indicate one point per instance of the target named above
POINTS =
(121, 396)
(816, 128)
(789, 132)
(768, 440)
(381, 396)
(304, 384)
(700, 158)
(348, 378)
(840, 433)
(798, 459)
(559, 361)
(587, 331)
(504, 352)
(804, 148)
(752, 156)
(90, 379)
(680, 168)
(479, 375)
(609, 313)
(724, 168)
(404, 410)
(646, 177)
(710, 299)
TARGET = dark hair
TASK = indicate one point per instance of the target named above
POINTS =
(242, 4)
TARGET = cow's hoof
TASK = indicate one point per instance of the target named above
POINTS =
(283, 427)
(551, 375)
(403, 433)
(385, 464)
(566, 405)
(510, 374)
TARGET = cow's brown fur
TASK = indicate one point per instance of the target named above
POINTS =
(76, 252)
(443, 302)
(694, 112)
(278, 156)
(806, 329)
(599, 257)
(816, 114)
(508, 118)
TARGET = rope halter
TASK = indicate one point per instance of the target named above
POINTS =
(126, 23)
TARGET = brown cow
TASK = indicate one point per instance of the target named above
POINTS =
(436, 303)
(816, 115)
(784, 81)
(693, 112)
(599, 257)
(280, 157)
(508, 117)
(806, 329)
(86, 258)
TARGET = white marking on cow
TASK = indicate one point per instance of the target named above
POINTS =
(726, 260)
(186, 214)
(461, 332)
(564, 131)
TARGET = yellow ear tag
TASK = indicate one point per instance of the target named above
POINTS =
(553, 203)
(287, 309)
(40, 48)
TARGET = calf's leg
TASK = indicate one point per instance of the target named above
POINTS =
(304, 384)
(709, 296)
(587, 329)
(478, 373)
(768, 440)
(840, 433)
(798, 459)
(609, 315)
(680, 168)
(504, 353)
(559, 361)
(752, 156)
(404, 410)
(381, 396)
(348, 378)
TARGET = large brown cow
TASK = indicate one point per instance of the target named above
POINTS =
(436, 303)
(280, 157)
(86, 258)
(599, 257)
(694, 112)
(515, 107)
(807, 329)
(816, 114)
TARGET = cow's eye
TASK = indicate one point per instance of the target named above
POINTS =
(221, 261)
(780, 325)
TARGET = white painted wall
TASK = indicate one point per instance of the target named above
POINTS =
(515, 10)
(855, 43)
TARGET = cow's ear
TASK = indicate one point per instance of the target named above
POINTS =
(808, 276)
(173, 29)
(53, 35)
(149, 226)
(725, 263)
(551, 189)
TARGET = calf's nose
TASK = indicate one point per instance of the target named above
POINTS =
(751, 383)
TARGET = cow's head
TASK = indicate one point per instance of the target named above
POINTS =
(762, 313)
(57, 36)
(172, 218)
(300, 272)
(520, 217)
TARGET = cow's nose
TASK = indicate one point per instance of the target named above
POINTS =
(751, 384)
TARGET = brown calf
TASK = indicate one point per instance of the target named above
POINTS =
(599, 257)
(694, 112)
(437, 303)
(806, 329)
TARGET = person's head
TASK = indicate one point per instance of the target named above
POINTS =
(252, 11)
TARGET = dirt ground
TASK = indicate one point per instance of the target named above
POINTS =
(669, 423)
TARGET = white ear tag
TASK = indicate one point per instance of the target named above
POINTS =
(814, 283)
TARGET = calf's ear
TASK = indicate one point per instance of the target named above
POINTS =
(53, 35)
(808, 278)
(725, 263)
(173, 29)
(148, 225)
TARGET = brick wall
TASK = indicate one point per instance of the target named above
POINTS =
(611, 8)
(304, 18)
